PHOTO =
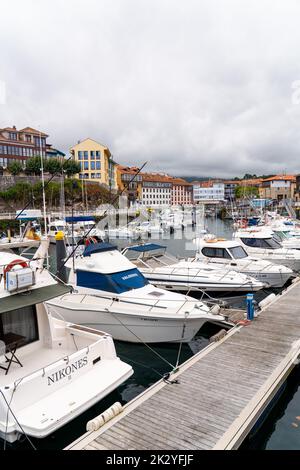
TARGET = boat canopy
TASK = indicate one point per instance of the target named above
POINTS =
(80, 218)
(98, 248)
(146, 247)
(32, 297)
(116, 282)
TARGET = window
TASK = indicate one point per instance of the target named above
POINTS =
(86, 166)
(80, 155)
(98, 175)
(215, 253)
(86, 155)
(13, 136)
(92, 154)
(238, 252)
(36, 141)
(92, 166)
(22, 322)
(261, 243)
(28, 138)
(98, 154)
(98, 165)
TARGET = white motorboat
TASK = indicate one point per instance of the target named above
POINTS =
(164, 270)
(261, 243)
(150, 228)
(122, 232)
(50, 370)
(110, 293)
(89, 227)
(220, 252)
(71, 235)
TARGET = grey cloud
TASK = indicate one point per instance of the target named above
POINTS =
(195, 88)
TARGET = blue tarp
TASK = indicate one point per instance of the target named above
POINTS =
(80, 218)
(146, 247)
(98, 248)
(115, 282)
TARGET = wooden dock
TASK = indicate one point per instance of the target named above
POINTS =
(221, 391)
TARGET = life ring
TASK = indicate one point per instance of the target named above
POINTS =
(13, 263)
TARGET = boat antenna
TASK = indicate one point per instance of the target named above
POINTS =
(105, 212)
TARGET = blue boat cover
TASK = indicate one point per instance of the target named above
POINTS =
(116, 282)
(146, 247)
(80, 218)
(98, 248)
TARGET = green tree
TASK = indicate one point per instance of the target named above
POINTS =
(248, 176)
(15, 168)
(33, 166)
(71, 167)
(246, 191)
(52, 166)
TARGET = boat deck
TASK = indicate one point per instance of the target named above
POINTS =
(32, 361)
(221, 391)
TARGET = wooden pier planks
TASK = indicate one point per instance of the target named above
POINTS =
(220, 394)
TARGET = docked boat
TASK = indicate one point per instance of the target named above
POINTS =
(150, 228)
(165, 270)
(122, 232)
(50, 370)
(71, 235)
(110, 293)
(262, 244)
(219, 252)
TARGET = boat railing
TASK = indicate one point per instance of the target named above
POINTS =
(119, 300)
(156, 304)
(63, 358)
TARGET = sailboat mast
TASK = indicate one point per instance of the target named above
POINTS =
(43, 186)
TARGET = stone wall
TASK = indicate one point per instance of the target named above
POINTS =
(8, 181)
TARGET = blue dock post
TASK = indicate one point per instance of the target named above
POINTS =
(250, 307)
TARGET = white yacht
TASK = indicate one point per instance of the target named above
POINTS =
(50, 370)
(261, 243)
(220, 252)
(164, 270)
(110, 293)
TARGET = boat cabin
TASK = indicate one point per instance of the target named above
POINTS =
(226, 250)
(258, 239)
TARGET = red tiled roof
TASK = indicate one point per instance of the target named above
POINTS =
(281, 177)
(30, 130)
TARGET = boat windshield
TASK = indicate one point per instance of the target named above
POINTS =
(238, 252)
(261, 243)
(116, 282)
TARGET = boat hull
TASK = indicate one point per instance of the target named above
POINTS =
(133, 328)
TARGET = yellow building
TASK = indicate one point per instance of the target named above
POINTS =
(96, 163)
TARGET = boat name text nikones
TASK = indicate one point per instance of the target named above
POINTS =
(67, 371)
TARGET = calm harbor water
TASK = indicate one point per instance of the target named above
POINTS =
(281, 429)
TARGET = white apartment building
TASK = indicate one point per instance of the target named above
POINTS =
(156, 192)
(208, 191)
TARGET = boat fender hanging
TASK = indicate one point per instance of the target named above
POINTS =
(107, 415)
(215, 310)
(13, 263)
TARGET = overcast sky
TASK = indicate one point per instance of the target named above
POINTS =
(195, 87)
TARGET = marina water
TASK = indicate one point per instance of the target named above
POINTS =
(280, 430)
